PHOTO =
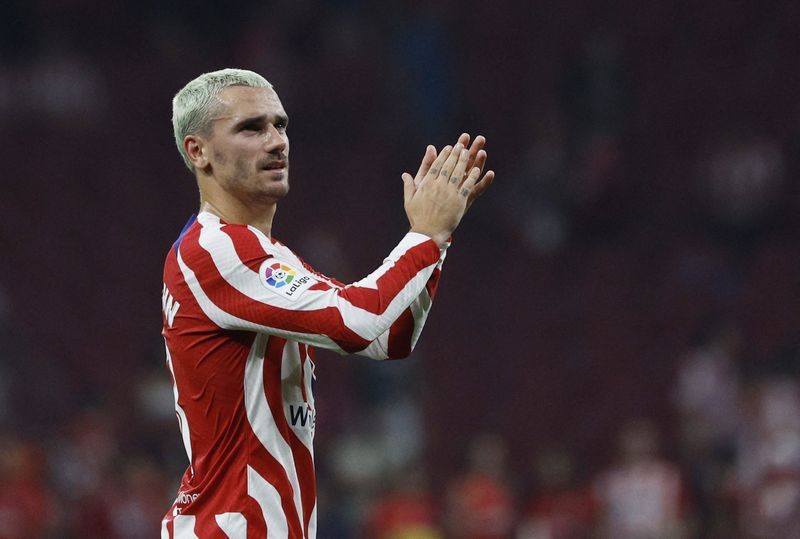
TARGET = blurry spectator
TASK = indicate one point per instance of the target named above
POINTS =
(85, 456)
(139, 504)
(358, 462)
(642, 496)
(480, 502)
(405, 511)
(28, 508)
(742, 178)
(707, 399)
(536, 187)
(768, 467)
(154, 396)
(707, 389)
(82, 467)
(560, 508)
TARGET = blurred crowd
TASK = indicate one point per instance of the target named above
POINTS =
(725, 465)
(614, 350)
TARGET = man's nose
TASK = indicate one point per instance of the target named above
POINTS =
(275, 139)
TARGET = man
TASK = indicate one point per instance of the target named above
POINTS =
(242, 311)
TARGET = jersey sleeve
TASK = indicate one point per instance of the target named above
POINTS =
(242, 283)
(402, 336)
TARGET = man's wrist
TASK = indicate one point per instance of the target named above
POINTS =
(441, 239)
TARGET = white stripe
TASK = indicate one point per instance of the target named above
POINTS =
(233, 524)
(365, 324)
(260, 417)
(184, 527)
(183, 422)
(164, 530)
(419, 310)
(270, 502)
(312, 524)
(377, 349)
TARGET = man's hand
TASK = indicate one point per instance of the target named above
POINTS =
(477, 158)
(437, 203)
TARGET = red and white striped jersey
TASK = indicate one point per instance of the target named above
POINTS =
(241, 313)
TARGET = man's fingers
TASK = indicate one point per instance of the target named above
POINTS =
(480, 160)
(425, 165)
(475, 152)
(408, 187)
(469, 183)
(483, 184)
(463, 139)
(459, 172)
(449, 166)
(436, 167)
(480, 186)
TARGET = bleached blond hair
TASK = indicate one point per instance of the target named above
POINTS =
(194, 106)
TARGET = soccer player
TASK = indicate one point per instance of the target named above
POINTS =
(242, 312)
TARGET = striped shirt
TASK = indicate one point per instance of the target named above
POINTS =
(241, 315)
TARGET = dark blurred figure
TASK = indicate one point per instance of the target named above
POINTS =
(642, 496)
(480, 502)
(742, 182)
(560, 507)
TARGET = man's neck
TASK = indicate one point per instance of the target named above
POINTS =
(259, 217)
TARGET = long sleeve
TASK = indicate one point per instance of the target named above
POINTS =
(401, 338)
(244, 281)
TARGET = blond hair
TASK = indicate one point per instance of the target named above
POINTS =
(194, 105)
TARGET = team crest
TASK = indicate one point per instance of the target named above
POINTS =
(284, 279)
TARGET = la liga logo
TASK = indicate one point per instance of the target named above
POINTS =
(279, 275)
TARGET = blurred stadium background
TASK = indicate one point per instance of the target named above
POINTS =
(614, 350)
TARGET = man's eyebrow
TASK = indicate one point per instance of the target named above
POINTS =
(259, 119)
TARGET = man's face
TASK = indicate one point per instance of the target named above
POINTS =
(248, 148)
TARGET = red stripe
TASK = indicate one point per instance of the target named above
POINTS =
(303, 461)
(433, 283)
(272, 472)
(400, 336)
(327, 321)
(206, 526)
(393, 281)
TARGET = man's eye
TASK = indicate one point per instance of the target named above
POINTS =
(280, 125)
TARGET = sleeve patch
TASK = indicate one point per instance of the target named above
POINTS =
(284, 280)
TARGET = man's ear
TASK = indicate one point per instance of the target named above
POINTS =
(196, 150)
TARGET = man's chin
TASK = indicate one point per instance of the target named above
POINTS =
(273, 192)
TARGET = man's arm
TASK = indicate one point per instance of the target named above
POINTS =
(242, 283)
(401, 338)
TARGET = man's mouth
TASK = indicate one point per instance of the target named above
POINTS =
(278, 164)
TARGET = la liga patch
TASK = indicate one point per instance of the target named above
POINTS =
(283, 279)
